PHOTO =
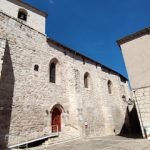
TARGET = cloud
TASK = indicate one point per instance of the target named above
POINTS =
(51, 1)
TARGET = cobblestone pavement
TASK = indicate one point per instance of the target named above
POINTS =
(103, 143)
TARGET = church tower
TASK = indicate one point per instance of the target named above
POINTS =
(24, 13)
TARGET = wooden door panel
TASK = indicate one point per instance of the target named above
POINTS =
(56, 120)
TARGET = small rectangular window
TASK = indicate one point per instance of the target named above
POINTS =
(36, 68)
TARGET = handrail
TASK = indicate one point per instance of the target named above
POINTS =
(31, 141)
(27, 142)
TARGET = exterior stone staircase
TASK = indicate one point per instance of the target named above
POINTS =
(62, 138)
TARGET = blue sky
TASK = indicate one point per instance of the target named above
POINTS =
(92, 27)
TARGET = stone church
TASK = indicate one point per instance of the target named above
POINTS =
(46, 86)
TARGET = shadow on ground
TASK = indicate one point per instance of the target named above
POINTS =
(131, 127)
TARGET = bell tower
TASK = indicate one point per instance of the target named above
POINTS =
(25, 13)
(22, 14)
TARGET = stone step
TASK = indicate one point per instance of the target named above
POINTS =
(63, 137)
(43, 146)
(60, 139)
(68, 134)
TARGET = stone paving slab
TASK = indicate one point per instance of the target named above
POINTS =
(103, 143)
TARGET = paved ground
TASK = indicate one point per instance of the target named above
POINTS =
(103, 143)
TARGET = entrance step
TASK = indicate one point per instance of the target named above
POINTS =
(63, 137)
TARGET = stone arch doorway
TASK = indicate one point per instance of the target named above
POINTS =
(56, 118)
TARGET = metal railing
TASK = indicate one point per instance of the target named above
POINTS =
(18, 141)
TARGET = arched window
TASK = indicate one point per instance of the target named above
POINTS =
(22, 14)
(109, 84)
(86, 80)
(53, 72)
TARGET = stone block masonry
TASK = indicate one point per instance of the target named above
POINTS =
(142, 96)
(31, 97)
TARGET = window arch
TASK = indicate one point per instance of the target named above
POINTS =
(53, 70)
(109, 84)
(22, 14)
(86, 80)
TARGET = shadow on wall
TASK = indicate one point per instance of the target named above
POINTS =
(131, 127)
(7, 81)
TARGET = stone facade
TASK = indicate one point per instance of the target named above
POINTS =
(27, 97)
(135, 49)
(36, 19)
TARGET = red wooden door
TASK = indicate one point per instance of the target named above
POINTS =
(56, 120)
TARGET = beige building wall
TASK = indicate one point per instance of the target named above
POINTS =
(136, 54)
(35, 18)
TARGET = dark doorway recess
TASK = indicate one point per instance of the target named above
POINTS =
(56, 120)
(7, 81)
(131, 127)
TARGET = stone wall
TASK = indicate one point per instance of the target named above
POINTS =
(32, 96)
(142, 96)
(34, 19)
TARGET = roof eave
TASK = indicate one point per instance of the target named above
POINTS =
(43, 13)
(133, 36)
(83, 56)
